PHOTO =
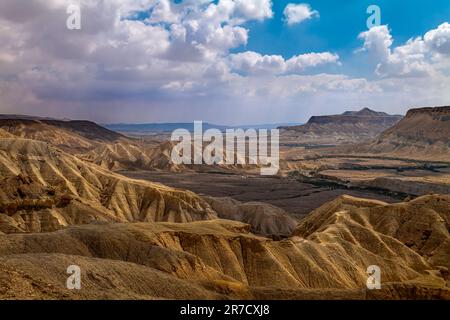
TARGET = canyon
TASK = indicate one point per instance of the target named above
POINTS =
(141, 227)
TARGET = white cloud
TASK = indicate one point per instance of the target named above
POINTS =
(438, 39)
(254, 9)
(419, 57)
(179, 64)
(378, 41)
(256, 64)
(205, 30)
(408, 60)
(301, 62)
(297, 13)
(162, 12)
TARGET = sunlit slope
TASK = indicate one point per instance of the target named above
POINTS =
(43, 188)
(92, 142)
(326, 257)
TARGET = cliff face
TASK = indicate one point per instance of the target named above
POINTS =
(432, 111)
(424, 134)
(351, 126)
(425, 126)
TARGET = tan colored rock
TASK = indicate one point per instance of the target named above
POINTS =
(44, 189)
(327, 256)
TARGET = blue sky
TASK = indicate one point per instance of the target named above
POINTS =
(221, 61)
(340, 23)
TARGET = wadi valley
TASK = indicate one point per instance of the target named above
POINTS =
(357, 189)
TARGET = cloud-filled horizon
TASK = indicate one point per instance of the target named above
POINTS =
(224, 61)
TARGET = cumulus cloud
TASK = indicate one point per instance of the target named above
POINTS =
(377, 41)
(301, 62)
(253, 63)
(297, 13)
(204, 30)
(163, 12)
(254, 9)
(181, 62)
(416, 58)
(438, 39)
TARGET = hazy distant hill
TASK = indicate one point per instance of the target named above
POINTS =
(33, 128)
(23, 117)
(351, 126)
(152, 128)
(145, 128)
(90, 141)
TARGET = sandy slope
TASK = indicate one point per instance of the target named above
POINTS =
(328, 254)
(264, 218)
(92, 142)
(43, 189)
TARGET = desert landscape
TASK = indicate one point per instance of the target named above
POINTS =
(139, 227)
(205, 156)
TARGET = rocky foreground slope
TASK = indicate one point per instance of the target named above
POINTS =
(326, 257)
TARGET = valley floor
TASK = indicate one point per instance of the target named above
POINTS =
(295, 197)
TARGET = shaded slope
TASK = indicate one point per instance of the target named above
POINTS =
(68, 135)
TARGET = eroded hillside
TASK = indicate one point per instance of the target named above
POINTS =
(43, 189)
(326, 257)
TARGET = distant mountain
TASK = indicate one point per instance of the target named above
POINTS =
(23, 117)
(154, 128)
(42, 129)
(349, 127)
(423, 134)
(151, 128)
(366, 112)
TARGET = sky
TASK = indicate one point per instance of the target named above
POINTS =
(225, 61)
